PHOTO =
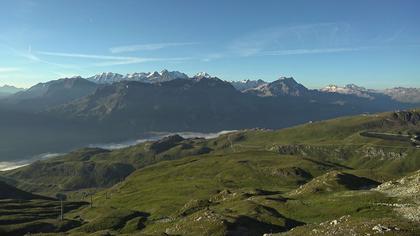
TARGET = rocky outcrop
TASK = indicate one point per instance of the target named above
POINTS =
(334, 181)
(407, 189)
(166, 143)
(407, 117)
(340, 152)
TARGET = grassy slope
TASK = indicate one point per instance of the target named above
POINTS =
(10, 192)
(337, 141)
(168, 189)
(242, 184)
(98, 168)
(22, 212)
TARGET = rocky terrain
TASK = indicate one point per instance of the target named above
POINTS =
(407, 190)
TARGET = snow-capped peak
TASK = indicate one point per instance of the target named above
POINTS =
(245, 84)
(106, 77)
(154, 74)
(332, 88)
(203, 75)
(136, 76)
(146, 77)
(355, 87)
(349, 89)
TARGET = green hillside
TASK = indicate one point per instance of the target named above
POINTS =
(10, 192)
(318, 176)
(22, 212)
(98, 168)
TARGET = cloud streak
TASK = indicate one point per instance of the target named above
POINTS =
(296, 39)
(303, 39)
(29, 55)
(213, 56)
(111, 60)
(139, 60)
(101, 60)
(311, 51)
(83, 56)
(148, 47)
(8, 69)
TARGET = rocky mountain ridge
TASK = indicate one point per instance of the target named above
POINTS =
(279, 87)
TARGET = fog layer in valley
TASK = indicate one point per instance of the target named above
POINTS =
(10, 165)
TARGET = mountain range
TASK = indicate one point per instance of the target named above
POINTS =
(205, 103)
(257, 87)
(112, 108)
(260, 87)
(7, 90)
(44, 95)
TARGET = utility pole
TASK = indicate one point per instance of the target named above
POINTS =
(62, 211)
(62, 198)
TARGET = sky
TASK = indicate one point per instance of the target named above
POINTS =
(375, 44)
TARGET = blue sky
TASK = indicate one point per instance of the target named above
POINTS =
(370, 43)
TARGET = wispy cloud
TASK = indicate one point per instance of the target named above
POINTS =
(212, 56)
(302, 39)
(138, 60)
(111, 60)
(394, 36)
(83, 56)
(9, 69)
(47, 57)
(29, 55)
(311, 51)
(148, 47)
(296, 39)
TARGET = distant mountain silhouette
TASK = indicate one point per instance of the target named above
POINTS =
(7, 90)
(49, 94)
